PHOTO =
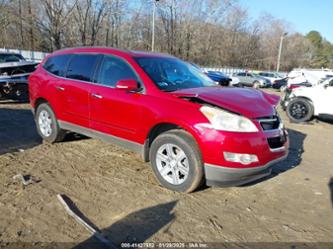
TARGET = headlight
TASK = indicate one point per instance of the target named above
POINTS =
(226, 121)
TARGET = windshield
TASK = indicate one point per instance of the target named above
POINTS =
(171, 74)
(10, 58)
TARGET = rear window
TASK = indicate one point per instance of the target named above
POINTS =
(57, 64)
(82, 67)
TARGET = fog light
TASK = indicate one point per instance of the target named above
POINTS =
(240, 158)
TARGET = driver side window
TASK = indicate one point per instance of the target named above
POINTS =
(114, 69)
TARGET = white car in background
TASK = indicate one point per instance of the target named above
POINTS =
(305, 102)
(311, 76)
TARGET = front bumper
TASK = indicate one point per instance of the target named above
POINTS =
(225, 177)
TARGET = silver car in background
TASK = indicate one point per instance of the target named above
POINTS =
(252, 80)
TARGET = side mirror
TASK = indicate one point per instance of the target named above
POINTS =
(127, 85)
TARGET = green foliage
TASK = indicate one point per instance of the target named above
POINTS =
(322, 55)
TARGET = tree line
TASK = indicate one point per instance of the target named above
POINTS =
(210, 33)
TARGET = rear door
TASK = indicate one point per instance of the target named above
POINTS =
(115, 111)
(55, 67)
(75, 89)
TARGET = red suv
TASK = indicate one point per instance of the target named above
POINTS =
(189, 128)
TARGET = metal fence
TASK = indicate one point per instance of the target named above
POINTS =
(226, 70)
(28, 55)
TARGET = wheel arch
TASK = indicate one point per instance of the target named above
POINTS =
(38, 102)
(160, 128)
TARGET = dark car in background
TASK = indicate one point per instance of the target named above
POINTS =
(216, 76)
(14, 73)
(280, 84)
(219, 77)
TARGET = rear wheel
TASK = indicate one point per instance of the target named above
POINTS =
(47, 124)
(299, 110)
(176, 161)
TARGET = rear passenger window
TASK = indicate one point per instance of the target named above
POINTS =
(57, 64)
(114, 69)
(82, 67)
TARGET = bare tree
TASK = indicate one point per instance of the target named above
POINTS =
(210, 32)
(57, 13)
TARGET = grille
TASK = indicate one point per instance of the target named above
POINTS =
(269, 123)
(276, 142)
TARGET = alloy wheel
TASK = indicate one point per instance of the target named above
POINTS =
(45, 123)
(172, 164)
(298, 110)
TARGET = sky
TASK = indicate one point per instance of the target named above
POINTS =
(303, 15)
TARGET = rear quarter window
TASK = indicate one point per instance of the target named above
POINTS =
(57, 64)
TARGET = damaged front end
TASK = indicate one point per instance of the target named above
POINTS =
(14, 79)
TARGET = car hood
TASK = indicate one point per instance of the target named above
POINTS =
(247, 102)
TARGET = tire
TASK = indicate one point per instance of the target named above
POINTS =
(256, 84)
(47, 124)
(178, 141)
(299, 110)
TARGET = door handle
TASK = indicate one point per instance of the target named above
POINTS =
(97, 96)
(60, 88)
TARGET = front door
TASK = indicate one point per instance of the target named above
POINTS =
(113, 111)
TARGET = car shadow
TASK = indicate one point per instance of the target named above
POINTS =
(136, 227)
(330, 186)
(17, 130)
(296, 149)
(71, 136)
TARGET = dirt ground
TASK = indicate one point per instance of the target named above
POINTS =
(119, 194)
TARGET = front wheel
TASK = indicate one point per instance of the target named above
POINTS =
(176, 161)
(300, 110)
(47, 124)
